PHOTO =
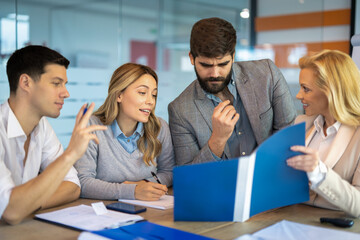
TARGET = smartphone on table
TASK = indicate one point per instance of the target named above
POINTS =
(126, 208)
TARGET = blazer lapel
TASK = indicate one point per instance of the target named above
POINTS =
(339, 144)
(204, 105)
(206, 110)
(309, 126)
(309, 135)
(249, 101)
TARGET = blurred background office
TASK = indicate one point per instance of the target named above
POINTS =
(97, 36)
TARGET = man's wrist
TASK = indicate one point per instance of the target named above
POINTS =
(216, 147)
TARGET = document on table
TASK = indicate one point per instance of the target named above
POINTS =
(83, 217)
(296, 231)
(165, 202)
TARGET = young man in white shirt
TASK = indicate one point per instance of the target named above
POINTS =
(28, 144)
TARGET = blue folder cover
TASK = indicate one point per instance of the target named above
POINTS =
(274, 183)
(206, 192)
(149, 231)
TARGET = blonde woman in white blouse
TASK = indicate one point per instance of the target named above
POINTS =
(330, 94)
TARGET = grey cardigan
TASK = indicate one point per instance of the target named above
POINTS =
(104, 167)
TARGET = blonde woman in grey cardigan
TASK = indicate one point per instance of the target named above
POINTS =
(135, 144)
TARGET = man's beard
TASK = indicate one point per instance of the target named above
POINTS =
(206, 85)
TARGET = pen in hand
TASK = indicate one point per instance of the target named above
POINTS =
(155, 177)
(86, 108)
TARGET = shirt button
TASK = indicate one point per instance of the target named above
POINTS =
(243, 153)
(239, 133)
(128, 140)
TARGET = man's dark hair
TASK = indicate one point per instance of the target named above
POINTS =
(212, 37)
(31, 60)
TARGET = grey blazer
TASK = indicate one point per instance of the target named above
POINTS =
(266, 98)
(341, 187)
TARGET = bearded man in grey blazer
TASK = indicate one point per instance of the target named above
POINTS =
(232, 107)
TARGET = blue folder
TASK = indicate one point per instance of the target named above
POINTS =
(210, 191)
(149, 231)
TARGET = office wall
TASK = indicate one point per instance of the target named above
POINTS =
(296, 28)
(96, 36)
(315, 24)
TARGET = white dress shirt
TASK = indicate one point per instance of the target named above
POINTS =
(322, 144)
(43, 149)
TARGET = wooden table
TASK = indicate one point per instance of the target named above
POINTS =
(34, 229)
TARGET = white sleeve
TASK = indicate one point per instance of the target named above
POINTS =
(317, 175)
(6, 182)
(53, 149)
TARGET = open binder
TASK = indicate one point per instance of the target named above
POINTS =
(235, 190)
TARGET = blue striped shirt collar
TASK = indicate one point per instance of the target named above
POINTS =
(119, 134)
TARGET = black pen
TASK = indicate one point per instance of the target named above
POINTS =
(86, 108)
(156, 178)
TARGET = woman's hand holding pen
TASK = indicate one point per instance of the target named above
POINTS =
(149, 191)
(306, 162)
(82, 134)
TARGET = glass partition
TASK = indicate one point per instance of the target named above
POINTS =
(98, 36)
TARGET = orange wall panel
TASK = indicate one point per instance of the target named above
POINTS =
(337, 17)
(283, 51)
(303, 20)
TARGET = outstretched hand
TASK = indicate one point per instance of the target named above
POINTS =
(82, 134)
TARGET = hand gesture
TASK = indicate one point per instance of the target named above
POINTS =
(307, 162)
(82, 134)
(224, 119)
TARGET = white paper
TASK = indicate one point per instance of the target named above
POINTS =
(91, 236)
(296, 231)
(165, 202)
(83, 217)
(99, 208)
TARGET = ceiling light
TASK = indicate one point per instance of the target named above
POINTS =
(245, 13)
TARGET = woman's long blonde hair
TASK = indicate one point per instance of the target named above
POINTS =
(122, 77)
(339, 78)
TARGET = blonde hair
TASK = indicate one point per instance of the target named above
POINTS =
(339, 78)
(122, 77)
